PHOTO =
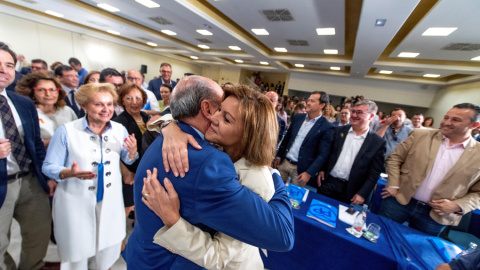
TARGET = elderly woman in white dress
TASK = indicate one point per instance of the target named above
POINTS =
(84, 158)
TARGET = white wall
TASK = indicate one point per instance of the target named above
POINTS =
(385, 91)
(222, 73)
(36, 40)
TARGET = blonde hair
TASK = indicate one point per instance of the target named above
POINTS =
(332, 109)
(260, 126)
(86, 92)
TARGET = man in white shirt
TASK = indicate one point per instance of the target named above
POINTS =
(417, 120)
(356, 158)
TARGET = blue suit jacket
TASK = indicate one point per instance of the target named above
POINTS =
(154, 86)
(315, 147)
(366, 167)
(33, 143)
(210, 197)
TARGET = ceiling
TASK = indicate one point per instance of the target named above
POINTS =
(363, 49)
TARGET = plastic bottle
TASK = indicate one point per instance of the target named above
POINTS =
(360, 221)
(471, 248)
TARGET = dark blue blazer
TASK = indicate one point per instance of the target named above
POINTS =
(210, 197)
(281, 128)
(368, 163)
(80, 112)
(315, 147)
(33, 143)
(154, 86)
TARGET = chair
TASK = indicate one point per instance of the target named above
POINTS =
(459, 234)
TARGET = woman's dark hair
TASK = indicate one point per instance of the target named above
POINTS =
(167, 86)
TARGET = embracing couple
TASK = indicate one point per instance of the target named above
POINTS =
(229, 203)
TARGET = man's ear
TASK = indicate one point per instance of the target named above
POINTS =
(207, 109)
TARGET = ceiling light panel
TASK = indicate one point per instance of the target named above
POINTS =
(263, 63)
(280, 49)
(408, 54)
(431, 75)
(385, 72)
(330, 51)
(476, 58)
(203, 46)
(380, 22)
(238, 61)
(168, 32)
(325, 31)
(235, 48)
(53, 13)
(194, 57)
(108, 7)
(148, 3)
(260, 32)
(334, 68)
(152, 44)
(299, 65)
(204, 32)
(113, 32)
(439, 31)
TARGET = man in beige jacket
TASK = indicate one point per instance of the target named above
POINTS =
(433, 176)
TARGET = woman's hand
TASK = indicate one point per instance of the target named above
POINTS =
(130, 144)
(52, 185)
(164, 203)
(76, 172)
(129, 178)
(174, 151)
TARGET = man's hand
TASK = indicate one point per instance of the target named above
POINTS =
(303, 178)
(357, 199)
(174, 151)
(129, 178)
(276, 163)
(389, 191)
(320, 178)
(444, 206)
(390, 120)
(52, 185)
(5, 148)
(165, 203)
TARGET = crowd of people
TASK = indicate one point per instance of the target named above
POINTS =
(105, 146)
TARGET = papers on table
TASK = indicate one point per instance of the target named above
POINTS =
(323, 212)
(344, 216)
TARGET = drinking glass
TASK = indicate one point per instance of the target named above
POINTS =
(372, 233)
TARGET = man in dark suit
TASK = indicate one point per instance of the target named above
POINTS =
(356, 158)
(22, 184)
(210, 194)
(165, 75)
(304, 150)
(69, 80)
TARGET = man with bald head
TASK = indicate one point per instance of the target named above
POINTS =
(151, 107)
(210, 193)
(282, 126)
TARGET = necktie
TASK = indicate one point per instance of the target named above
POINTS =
(11, 132)
(74, 104)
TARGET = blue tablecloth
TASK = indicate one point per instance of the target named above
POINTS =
(318, 246)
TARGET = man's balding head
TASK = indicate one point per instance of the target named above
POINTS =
(135, 76)
(273, 96)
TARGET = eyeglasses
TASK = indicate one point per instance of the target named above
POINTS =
(35, 68)
(44, 90)
(117, 85)
(134, 79)
(70, 76)
(131, 98)
(358, 112)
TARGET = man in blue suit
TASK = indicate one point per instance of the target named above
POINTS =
(166, 74)
(22, 184)
(304, 150)
(211, 197)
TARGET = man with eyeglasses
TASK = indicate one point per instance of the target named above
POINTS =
(394, 131)
(165, 75)
(69, 80)
(356, 158)
(110, 75)
(151, 107)
(304, 150)
(39, 65)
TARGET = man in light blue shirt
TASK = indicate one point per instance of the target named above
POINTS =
(394, 131)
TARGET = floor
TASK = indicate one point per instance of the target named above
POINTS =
(52, 253)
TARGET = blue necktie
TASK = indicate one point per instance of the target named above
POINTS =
(100, 183)
(74, 104)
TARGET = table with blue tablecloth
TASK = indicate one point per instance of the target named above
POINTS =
(318, 246)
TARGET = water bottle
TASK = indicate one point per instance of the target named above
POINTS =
(471, 248)
(360, 221)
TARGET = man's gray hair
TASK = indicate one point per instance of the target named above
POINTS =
(188, 95)
(372, 107)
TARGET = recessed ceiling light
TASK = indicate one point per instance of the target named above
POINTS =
(385, 72)
(299, 65)
(325, 31)
(380, 22)
(263, 63)
(168, 32)
(108, 7)
(335, 68)
(203, 46)
(238, 61)
(476, 58)
(53, 13)
(408, 54)
(148, 3)
(260, 32)
(439, 31)
(194, 57)
(330, 51)
(113, 32)
(431, 75)
(152, 44)
(280, 49)
(204, 32)
(235, 48)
